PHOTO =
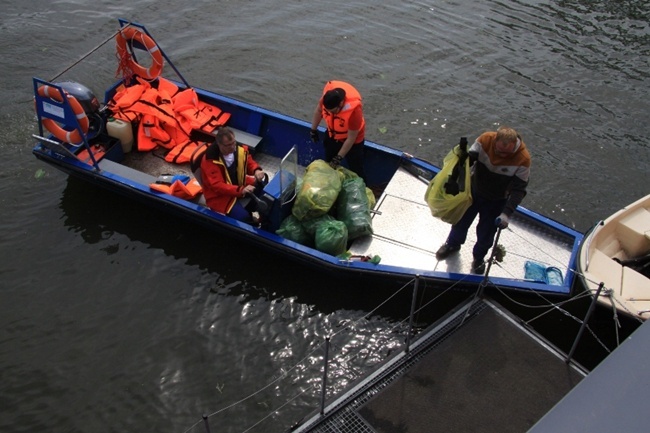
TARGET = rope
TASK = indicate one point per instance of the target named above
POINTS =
(295, 366)
(277, 409)
(282, 376)
(555, 260)
(611, 293)
(556, 306)
(588, 293)
(124, 67)
(365, 316)
(87, 54)
(616, 324)
(442, 293)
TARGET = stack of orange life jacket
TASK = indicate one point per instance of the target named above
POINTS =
(165, 116)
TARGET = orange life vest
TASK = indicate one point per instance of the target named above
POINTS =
(338, 124)
(152, 135)
(166, 116)
(179, 189)
(130, 103)
(181, 153)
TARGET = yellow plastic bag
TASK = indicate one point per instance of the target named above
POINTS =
(318, 192)
(450, 207)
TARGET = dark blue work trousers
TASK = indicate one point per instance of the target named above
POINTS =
(354, 156)
(487, 211)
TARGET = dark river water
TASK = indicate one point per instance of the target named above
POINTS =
(114, 317)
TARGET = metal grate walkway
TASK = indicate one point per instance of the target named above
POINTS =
(484, 374)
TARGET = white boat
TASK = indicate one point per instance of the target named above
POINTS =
(616, 254)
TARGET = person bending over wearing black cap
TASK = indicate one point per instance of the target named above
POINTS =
(342, 109)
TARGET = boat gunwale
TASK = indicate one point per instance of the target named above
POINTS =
(207, 217)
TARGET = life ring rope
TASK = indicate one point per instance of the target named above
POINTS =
(132, 34)
(72, 136)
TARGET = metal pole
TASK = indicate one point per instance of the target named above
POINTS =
(484, 282)
(322, 397)
(205, 422)
(409, 332)
(584, 322)
(490, 261)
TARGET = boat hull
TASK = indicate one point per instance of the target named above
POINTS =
(607, 259)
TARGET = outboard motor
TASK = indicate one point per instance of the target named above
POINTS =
(88, 102)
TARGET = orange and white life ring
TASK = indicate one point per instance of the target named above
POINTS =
(133, 34)
(73, 136)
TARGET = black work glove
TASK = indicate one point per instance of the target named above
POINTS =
(336, 161)
(313, 134)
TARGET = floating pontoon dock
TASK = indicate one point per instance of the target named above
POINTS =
(475, 370)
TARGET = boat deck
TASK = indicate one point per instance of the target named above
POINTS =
(405, 233)
(480, 372)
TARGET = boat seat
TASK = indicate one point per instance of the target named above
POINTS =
(609, 269)
(126, 172)
(634, 233)
(247, 138)
(636, 286)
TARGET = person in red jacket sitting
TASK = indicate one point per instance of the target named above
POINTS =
(229, 173)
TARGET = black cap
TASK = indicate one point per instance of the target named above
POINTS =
(333, 98)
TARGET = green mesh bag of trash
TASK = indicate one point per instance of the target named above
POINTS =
(318, 192)
(349, 174)
(332, 237)
(292, 229)
(310, 225)
(353, 209)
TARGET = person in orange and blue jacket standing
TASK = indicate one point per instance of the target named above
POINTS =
(341, 107)
(500, 171)
(228, 174)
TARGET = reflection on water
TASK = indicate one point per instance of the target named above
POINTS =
(266, 346)
(250, 335)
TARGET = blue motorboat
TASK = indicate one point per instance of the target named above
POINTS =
(78, 135)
